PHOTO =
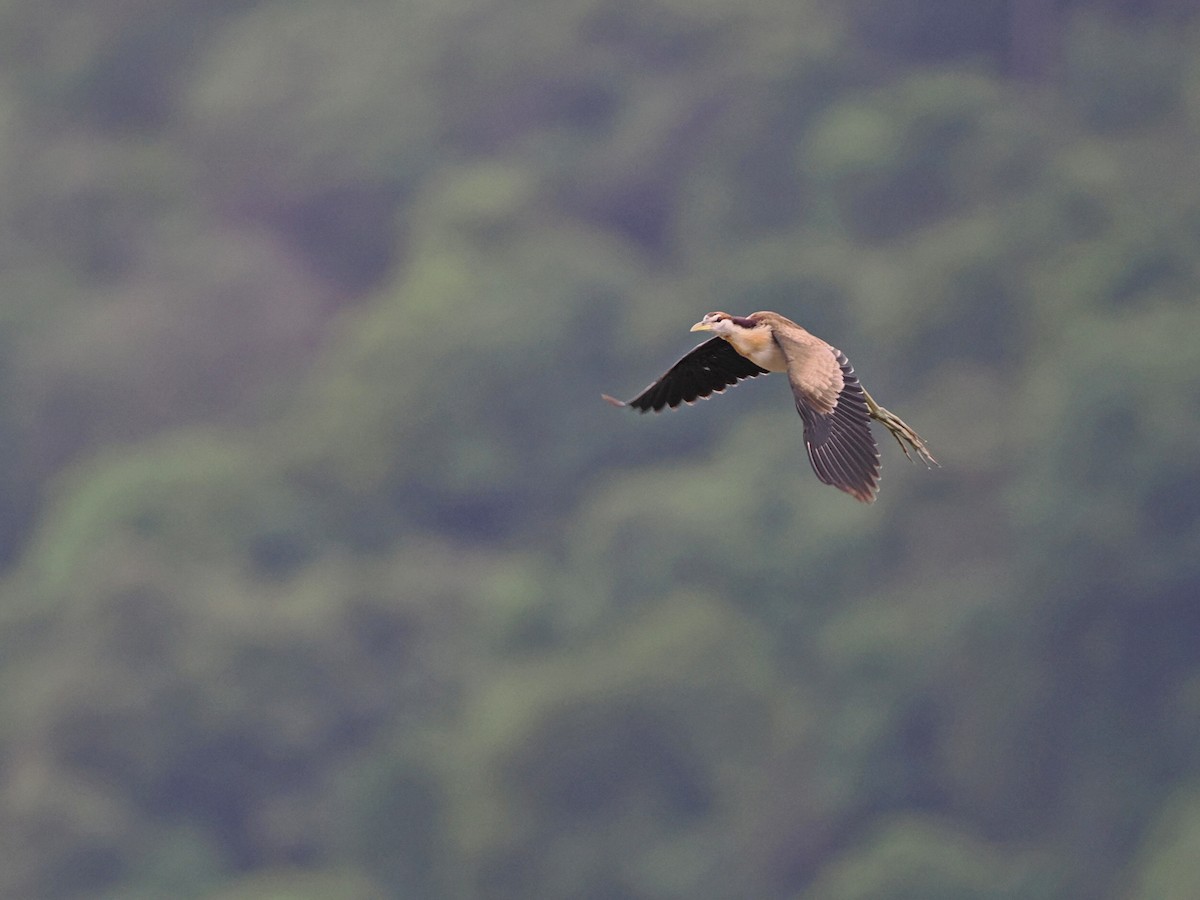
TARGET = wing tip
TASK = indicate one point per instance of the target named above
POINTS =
(613, 401)
(863, 497)
(863, 492)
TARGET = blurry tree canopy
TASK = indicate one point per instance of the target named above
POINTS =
(326, 572)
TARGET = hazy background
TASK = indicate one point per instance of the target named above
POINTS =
(327, 573)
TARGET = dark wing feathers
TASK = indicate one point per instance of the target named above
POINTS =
(840, 445)
(708, 367)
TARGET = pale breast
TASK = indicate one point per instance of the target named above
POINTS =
(758, 346)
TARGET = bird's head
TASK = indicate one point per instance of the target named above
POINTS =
(722, 323)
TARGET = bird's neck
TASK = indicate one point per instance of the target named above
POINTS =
(758, 345)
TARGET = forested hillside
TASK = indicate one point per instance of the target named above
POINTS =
(326, 573)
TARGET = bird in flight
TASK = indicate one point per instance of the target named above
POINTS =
(836, 410)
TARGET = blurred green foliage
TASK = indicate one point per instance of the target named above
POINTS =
(327, 574)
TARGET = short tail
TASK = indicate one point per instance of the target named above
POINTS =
(902, 432)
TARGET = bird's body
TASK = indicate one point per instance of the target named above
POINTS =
(834, 407)
(759, 346)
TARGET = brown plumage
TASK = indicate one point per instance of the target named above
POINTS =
(834, 407)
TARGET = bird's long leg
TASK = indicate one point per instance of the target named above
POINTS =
(901, 431)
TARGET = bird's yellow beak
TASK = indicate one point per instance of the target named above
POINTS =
(701, 326)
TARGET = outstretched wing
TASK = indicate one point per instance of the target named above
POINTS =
(711, 366)
(837, 420)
